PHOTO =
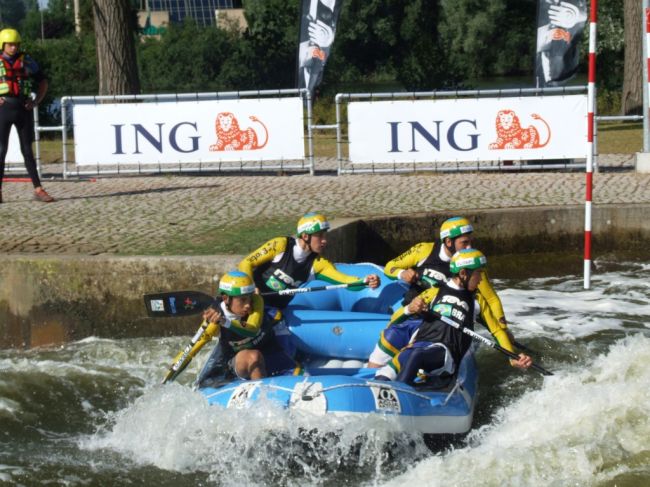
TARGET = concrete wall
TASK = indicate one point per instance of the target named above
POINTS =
(53, 299)
(46, 300)
(509, 231)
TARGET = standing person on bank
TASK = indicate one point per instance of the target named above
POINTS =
(19, 74)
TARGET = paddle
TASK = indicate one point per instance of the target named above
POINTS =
(185, 303)
(203, 335)
(523, 347)
(520, 346)
(490, 343)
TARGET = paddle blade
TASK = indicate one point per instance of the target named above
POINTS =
(177, 303)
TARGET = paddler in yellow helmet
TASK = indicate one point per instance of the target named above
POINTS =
(287, 262)
(424, 340)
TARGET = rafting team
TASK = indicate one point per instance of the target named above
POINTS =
(448, 285)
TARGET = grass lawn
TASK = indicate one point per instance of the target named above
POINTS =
(244, 237)
(620, 138)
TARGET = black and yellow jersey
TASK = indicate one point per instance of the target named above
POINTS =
(274, 266)
(487, 318)
(428, 256)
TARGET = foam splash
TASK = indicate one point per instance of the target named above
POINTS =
(562, 309)
(175, 429)
(587, 426)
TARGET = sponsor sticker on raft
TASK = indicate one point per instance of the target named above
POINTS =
(241, 395)
(386, 399)
(157, 305)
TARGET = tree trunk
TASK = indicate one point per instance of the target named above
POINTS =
(632, 101)
(114, 35)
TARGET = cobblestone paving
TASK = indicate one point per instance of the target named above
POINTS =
(123, 214)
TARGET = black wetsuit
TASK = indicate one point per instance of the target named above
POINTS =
(13, 112)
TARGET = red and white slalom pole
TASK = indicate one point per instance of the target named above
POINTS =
(647, 74)
(591, 105)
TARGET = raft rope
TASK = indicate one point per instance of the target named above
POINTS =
(306, 397)
(369, 385)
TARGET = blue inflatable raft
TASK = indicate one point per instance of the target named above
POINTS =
(335, 332)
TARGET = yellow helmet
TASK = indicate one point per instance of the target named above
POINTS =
(455, 227)
(9, 35)
(236, 283)
(467, 259)
(311, 223)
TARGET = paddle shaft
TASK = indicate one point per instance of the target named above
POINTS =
(491, 344)
(521, 346)
(201, 337)
(300, 290)
(185, 303)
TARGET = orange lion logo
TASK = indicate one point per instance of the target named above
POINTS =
(231, 137)
(511, 135)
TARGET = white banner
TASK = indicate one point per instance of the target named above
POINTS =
(477, 129)
(189, 131)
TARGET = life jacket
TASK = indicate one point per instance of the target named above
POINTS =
(287, 273)
(237, 342)
(456, 305)
(433, 270)
(233, 342)
(14, 77)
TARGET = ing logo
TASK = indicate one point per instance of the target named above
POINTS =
(231, 137)
(511, 135)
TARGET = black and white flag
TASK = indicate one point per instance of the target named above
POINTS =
(318, 21)
(559, 29)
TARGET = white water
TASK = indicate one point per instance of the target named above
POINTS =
(586, 425)
(177, 430)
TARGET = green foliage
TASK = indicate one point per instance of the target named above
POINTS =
(267, 51)
(57, 20)
(324, 111)
(12, 12)
(70, 65)
(490, 37)
(608, 102)
(383, 41)
(380, 45)
(611, 46)
(186, 58)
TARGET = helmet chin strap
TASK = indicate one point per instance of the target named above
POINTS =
(307, 242)
(464, 280)
(228, 302)
(450, 248)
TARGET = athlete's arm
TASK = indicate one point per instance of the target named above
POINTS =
(496, 328)
(323, 269)
(490, 298)
(423, 299)
(262, 255)
(408, 259)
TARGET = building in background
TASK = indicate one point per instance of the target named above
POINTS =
(156, 14)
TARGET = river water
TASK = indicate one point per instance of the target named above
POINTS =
(93, 413)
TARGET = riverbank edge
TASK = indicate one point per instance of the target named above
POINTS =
(51, 299)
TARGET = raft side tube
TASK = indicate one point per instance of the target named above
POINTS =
(340, 334)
